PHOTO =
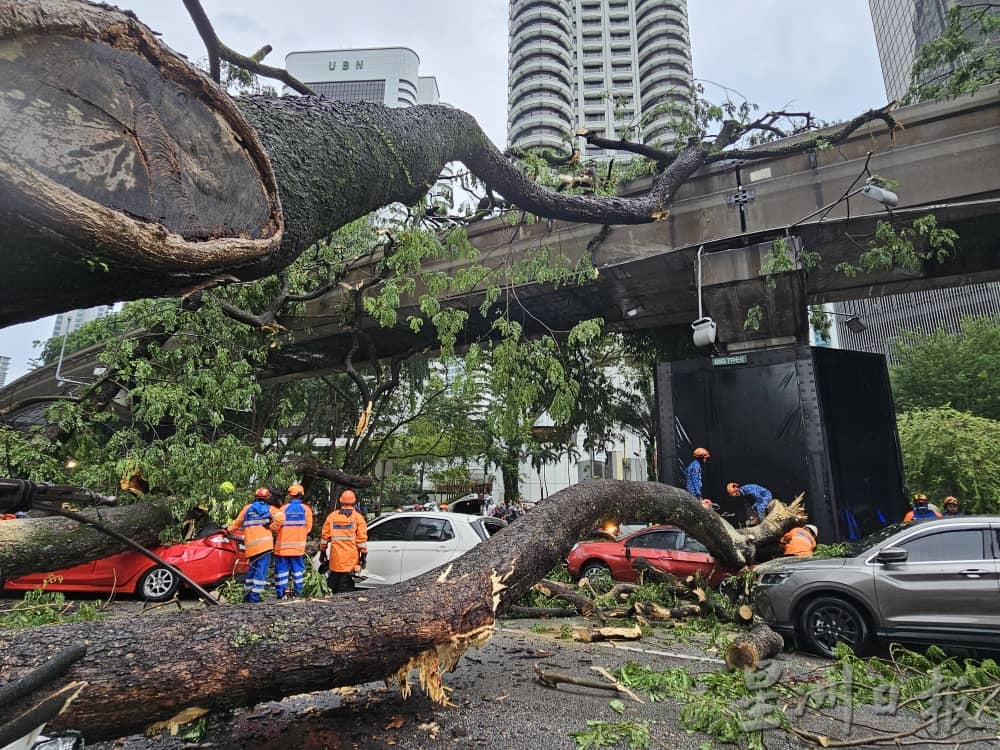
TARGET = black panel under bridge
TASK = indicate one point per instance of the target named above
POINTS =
(795, 419)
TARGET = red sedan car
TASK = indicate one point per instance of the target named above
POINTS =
(207, 561)
(665, 547)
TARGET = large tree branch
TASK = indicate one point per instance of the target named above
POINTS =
(808, 144)
(33, 545)
(424, 624)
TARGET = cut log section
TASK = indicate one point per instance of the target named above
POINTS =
(750, 648)
(653, 611)
(591, 635)
(115, 153)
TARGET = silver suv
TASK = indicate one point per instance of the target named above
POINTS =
(934, 581)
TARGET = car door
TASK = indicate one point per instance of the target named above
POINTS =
(385, 548)
(658, 547)
(948, 582)
(434, 541)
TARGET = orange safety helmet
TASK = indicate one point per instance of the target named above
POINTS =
(262, 493)
(702, 453)
(921, 499)
(951, 500)
(347, 497)
(733, 489)
(296, 490)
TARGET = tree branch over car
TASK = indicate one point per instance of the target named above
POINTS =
(421, 625)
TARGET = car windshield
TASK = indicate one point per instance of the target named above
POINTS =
(875, 538)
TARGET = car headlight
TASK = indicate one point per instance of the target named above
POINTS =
(772, 579)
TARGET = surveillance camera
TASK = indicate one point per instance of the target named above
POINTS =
(704, 331)
(886, 197)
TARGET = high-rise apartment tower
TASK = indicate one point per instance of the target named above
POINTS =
(599, 64)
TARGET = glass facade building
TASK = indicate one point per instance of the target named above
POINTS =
(901, 27)
(606, 65)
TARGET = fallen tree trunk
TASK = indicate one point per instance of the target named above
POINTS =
(37, 545)
(750, 648)
(128, 173)
(143, 670)
(118, 155)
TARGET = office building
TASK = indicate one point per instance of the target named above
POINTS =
(615, 67)
(4, 368)
(901, 28)
(68, 322)
(877, 324)
(384, 75)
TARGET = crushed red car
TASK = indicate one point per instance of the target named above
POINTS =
(666, 548)
(207, 560)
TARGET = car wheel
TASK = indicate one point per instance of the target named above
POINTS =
(594, 568)
(830, 620)
(158, 584)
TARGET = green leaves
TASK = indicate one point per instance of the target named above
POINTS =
(633, 735)
(941, 368)
(907, 246)
(960, 61)
(948, 452)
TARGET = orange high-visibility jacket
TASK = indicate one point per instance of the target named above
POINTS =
(798, 542)
(347, 534)
(291, 525)
(255, 520)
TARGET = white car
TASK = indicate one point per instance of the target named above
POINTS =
(404, 545)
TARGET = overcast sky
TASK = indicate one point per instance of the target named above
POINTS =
(815, 56)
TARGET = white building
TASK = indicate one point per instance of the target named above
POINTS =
(599, 64)
(68, 322)
(384, 75)
(4, 367)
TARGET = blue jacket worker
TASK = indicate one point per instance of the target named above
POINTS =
(759, 497)
(692, 474)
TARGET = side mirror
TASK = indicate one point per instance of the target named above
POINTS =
(628, 552)
(892, 555)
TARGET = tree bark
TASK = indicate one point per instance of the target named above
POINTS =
(141, 670)
(37, 545)
(748, 649)
(127, 173)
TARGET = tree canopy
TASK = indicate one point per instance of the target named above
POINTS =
(941, 368)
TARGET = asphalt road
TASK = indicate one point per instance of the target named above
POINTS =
(499, 704)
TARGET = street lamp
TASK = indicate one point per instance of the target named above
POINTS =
(854, 323)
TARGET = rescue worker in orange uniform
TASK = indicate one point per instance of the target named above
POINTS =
(291, 525)
(255, 520)
(800, 541)
(345, 539)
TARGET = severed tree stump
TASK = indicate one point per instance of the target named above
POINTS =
(753, 646)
